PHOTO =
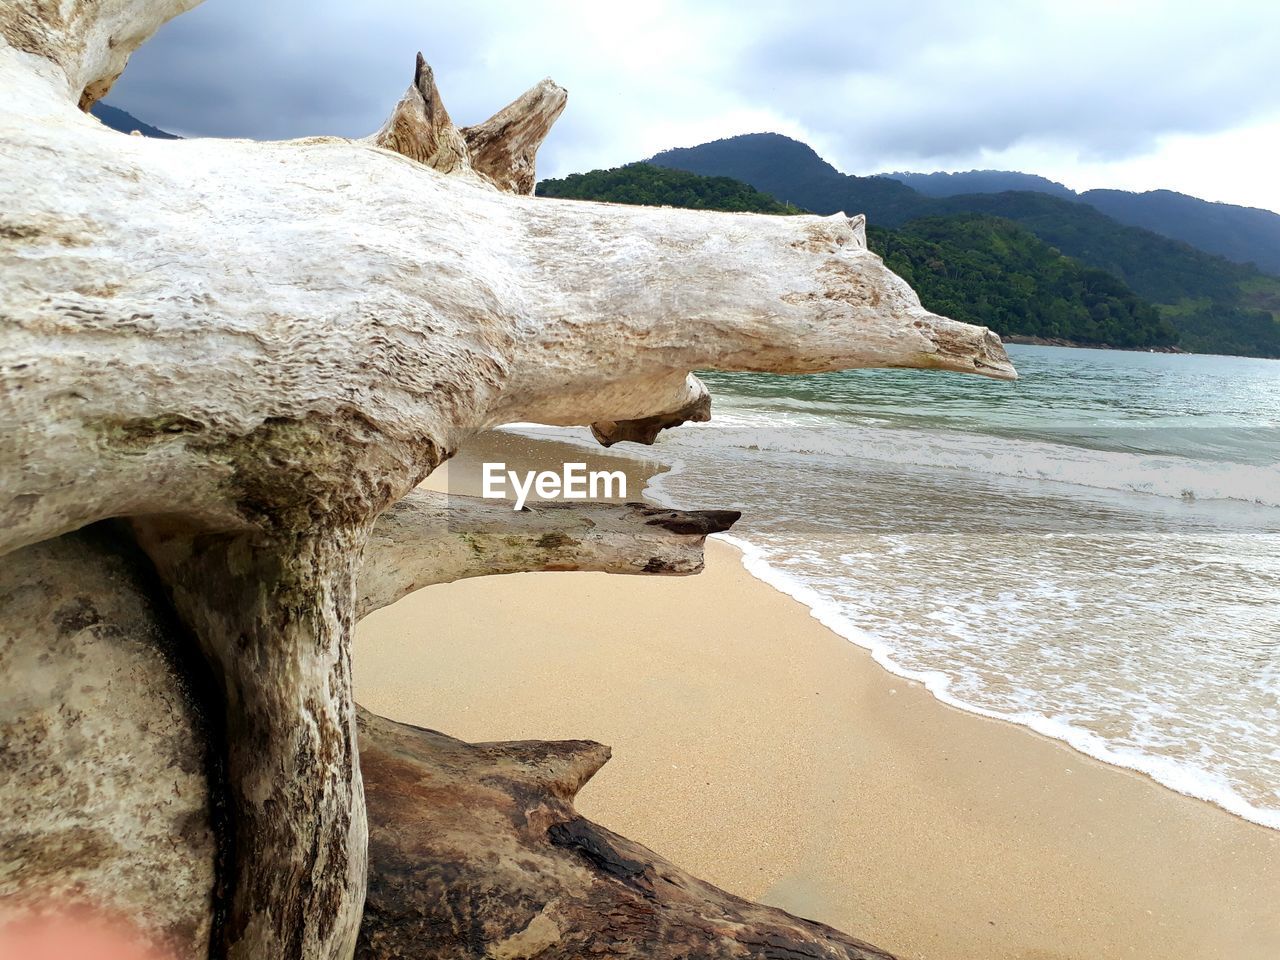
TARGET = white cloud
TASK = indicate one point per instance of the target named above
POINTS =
(1137, 94)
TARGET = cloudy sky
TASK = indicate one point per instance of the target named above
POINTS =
(1135, 94)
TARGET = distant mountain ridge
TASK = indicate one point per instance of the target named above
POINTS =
(1218, 306)
(1241, 234)
(125, 122)
(794, 173)
(980, 181)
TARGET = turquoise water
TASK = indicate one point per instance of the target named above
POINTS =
(1090, 552)
(1219, 408)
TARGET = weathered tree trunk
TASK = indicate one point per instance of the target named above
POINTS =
(251, 350)
(475, 850)
(110, 749)
(274, 620)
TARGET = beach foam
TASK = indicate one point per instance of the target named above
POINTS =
(1123, 601)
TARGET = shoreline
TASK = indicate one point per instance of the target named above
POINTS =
(777, 759)
(1028, 341)
(752, 560)
(1169, 775)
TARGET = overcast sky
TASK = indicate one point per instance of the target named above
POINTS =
(1135, 95)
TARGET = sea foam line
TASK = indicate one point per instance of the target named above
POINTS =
(1178, 777)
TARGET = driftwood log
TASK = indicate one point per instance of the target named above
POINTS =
(245, 353)
(429, 538)
(476, 850)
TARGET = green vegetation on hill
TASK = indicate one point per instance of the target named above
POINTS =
(647, 185)
(992, 272)
(1240, 234)
(1216, 305)
(1160, 269)
(980, 269)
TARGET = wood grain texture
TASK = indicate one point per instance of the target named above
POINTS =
(253, 350)
(475, 850)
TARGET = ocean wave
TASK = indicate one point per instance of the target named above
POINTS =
(1178, 775)
(1156, 475)
(1188, 773)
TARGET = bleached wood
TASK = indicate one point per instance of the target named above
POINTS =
(106, 780)
(429, 538)
(253, 349)
(688, 401)
(175, 305)
(420, 127)
(504, 148)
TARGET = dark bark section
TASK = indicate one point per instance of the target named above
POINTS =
(692, 522)
(646, 429)
(475, 850)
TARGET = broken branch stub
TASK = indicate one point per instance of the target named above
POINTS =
(420, 128)
(505, 146)
(694, 407)
(501, 151)
(430, 538)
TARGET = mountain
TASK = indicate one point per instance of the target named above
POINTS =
(1217, 306)
(981, 269)
(794, 173)
(1240, 234)
(980, 181)
(118, 119)
(647, 185)
(1162, 270)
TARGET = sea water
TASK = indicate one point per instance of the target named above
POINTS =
(1092, 552)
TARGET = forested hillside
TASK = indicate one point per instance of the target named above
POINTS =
(794, 173)
(991, 271)
(1216, 305)
(645, 184)
(1240, 234)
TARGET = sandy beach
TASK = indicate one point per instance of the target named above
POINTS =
(764, 753)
